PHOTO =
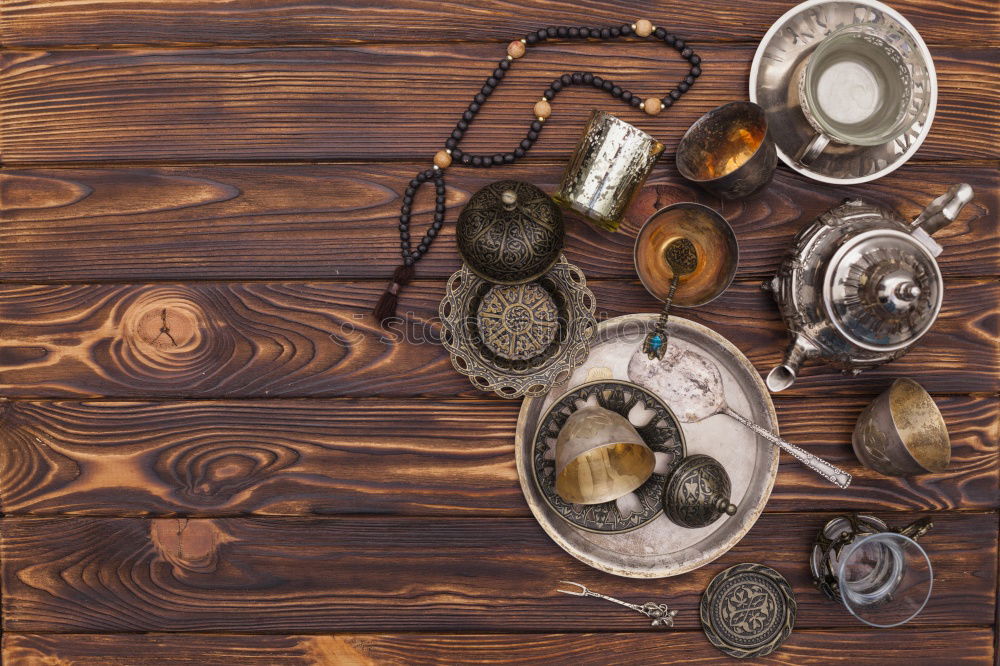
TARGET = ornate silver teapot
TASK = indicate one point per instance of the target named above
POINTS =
(861, 285)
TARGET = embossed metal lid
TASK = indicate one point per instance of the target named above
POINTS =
(697, 492)
(510, 232)
(519, 321)
(748, 611)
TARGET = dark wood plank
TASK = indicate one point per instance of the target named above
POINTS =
(403, 457)
(33, 22)
(278, 575)
(888, 647)
(385, 101)
(315, 221)
(269, 339)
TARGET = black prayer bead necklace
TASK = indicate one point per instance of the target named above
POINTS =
(451, 153)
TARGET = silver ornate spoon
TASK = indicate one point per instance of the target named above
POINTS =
(682, 257)
(660, 614)
(692, 386)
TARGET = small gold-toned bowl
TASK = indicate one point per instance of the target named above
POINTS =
(902, 432)
(600, 457)
(728, 151)
(713, 239)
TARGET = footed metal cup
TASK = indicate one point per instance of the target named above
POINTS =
(600, 457)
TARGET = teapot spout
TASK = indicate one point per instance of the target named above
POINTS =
(945, 209)
(782, 376)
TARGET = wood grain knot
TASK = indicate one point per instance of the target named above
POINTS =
(211, 472)
(191, 546)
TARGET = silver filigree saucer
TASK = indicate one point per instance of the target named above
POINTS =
(775, 73)
(464, 312)
(661, 432)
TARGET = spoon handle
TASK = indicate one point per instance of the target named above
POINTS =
(827, 470)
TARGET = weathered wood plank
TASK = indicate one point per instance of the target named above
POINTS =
(269, 339)
(385, 101)
(316, 221)
(886, 647)
(402, 457)
(33, 22)
(78, 574)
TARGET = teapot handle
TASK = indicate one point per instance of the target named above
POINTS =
(945, 209)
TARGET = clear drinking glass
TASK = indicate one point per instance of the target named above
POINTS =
(885, 579)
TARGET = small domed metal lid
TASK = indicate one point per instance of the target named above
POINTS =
(697, 492)
(510, 232)
(748, 611)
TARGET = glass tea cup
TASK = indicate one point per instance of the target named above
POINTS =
(864, 85)
(885, 579)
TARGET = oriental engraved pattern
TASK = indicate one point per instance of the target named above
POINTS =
(748, 610)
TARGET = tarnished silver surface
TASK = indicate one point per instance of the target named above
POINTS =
(861, 285)
(660, 614)
(512, 378)
(661, 548)
(774, 84)
(607, 169)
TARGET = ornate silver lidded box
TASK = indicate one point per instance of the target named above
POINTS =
(861, 285)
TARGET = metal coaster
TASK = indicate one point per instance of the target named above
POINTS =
(774, 76)
(748, 610)
(481, 353)
(518, 321)
(662, 434)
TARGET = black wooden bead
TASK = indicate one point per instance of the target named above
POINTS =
(561, 31)
(468, 115)
(457, 134)
(508, 158)
(498, 159)
(492, 82)
(695, 59)
(577, 78)
(487, 161)
(605, 33)
(696, 71)
(410, 191)
(585, 32)
(404, 245)
(486, 90)
(526, 144)
(566, 79)
(537, 125)
(627, 96)
(504, 64)
(519, 152)
(451, 142)
(660, 33)
(689, 80)
(531, 38)
(498, 74)
(551, 32)
(616, 91)
(667, 102)
(422, 248)
(686, 52)
(440, 198)
(597, 81)
(462, 125)
(588, 77)
(474, 107)
(615, 33)
(670, 39)
(404, 209)
(532, 135)
(404, 227)
(680, 44)
(437, 223)
(635, 101)
(549, 94)
(404, 219)
(480, 98)
(556, 85)
(407, 201)
(432, 232)
(415, 182)
(404, 235)
(608, 85)
(456, 154)
(626, 29)
(675, 94)
(574, 32)
(428, 174)
(466, 159)
(407, 260)
(477, 161)
(439, 207)
(542, 35)
(683, 86)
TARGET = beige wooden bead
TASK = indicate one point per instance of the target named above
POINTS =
(643, 28)
(442, 159)
(515, 49)
(652, 106)
(543, 109)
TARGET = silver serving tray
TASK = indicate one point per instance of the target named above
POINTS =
(774, 76)
(661, 548)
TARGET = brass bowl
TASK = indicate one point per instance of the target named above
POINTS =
(600, 457)
(902, 432)
(728, 151)
(714, 240)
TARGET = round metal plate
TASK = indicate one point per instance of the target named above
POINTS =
(661, 548)
(748, 611)
(662, 433)
(774, 77)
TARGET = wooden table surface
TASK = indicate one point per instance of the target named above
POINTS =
(209, 452)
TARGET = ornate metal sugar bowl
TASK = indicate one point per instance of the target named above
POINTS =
(510, 232)
(861, 285)
(697, 492)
